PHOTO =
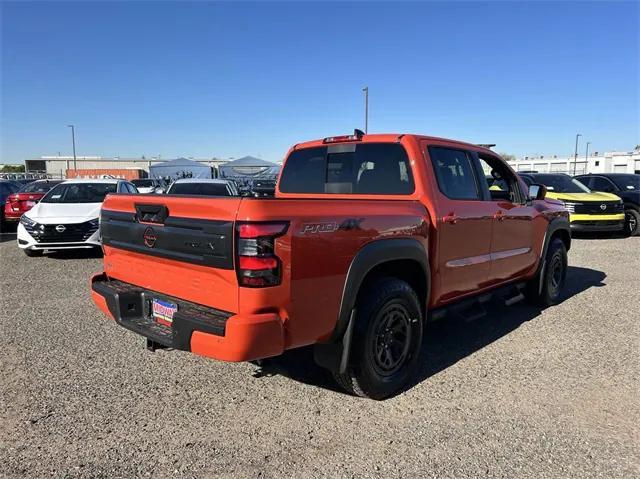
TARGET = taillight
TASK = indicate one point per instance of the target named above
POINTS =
(257, 265)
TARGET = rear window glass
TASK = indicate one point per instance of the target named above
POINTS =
(370, 169)
(204, 189)
(39, 186)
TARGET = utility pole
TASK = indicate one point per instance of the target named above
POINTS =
(366, 109)
(73, 140)
(575, 155)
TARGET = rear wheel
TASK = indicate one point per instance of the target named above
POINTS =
(632, 222)
(553, 274)
(386, 341)
(32, 253)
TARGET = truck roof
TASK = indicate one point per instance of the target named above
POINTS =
(393, 137)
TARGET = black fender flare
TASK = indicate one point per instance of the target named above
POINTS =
(556, 224)
(334, 354)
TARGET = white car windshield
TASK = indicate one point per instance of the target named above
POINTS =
(79, 193)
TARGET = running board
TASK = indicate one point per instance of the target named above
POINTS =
(473, 308)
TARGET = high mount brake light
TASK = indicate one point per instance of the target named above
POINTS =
(338, 139)
(357, 136)
(257, 265)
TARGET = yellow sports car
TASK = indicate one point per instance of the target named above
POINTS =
(588, 210)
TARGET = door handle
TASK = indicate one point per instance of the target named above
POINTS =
(499, 216)
(450, 218)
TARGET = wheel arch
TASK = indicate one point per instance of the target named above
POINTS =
(402, 258)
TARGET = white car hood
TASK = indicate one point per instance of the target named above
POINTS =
(47, 213)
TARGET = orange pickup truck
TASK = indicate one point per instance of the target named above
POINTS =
(368, 236)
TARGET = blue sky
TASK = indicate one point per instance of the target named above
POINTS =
(229, 79)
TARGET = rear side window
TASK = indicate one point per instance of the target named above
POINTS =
(366, 169)
(455, 173)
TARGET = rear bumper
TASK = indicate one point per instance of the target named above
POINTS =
(196, 328)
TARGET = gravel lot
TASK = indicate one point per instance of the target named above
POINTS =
(519, 393)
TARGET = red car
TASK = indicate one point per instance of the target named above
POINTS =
(27, 196)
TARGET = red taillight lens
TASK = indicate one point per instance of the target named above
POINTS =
(257, 265)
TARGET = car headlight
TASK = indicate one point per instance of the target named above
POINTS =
(25, 221)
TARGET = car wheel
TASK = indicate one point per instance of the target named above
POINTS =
(386, 342)
(632, 222)
(33, 253)
(554, 274)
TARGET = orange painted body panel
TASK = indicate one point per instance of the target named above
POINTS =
(489, 243)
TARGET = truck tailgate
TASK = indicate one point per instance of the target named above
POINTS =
(176, 245)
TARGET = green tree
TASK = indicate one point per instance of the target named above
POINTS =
(12, 169)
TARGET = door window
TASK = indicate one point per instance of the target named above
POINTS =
(454, 173)
(502, 182)
(601, 184)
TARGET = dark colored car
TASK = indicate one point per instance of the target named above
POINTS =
(7, 188)
(624, 185)
(26, 197)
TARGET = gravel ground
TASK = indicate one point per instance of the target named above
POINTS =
(519, 393)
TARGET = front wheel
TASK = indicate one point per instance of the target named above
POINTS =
(554, 273)
(386, 342)
(632, 222)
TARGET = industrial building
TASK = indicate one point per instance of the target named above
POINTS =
(609, 162)
(57, 166)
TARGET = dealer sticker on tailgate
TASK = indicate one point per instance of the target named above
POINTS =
(163, 311)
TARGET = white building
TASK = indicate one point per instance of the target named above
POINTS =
(609, 162)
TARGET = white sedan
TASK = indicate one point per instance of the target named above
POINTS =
(67, 217)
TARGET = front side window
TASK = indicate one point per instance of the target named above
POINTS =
(600, 184)
(454, 173)
(79, 193)
(366, 169)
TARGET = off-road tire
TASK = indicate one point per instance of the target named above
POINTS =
(386, 341)
(554, 271)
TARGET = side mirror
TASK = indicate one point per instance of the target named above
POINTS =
(537, 192)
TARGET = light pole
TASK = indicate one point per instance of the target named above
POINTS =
(586, 153)
(73, 140)
(575, 155)
(366, 109)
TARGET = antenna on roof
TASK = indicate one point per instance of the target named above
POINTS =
(487, 145)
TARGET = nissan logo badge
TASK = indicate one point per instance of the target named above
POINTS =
(149, 237)
(60, 228)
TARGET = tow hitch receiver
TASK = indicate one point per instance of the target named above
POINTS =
(153, 345)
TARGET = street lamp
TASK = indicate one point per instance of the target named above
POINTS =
(575, 155)
(366, 109)
(73, 140)
(586, 153)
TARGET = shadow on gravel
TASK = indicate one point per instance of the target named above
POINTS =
(599, 236)
(7, 236)
(75, 254)
(446, 341)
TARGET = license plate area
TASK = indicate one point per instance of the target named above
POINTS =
(163, 311)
